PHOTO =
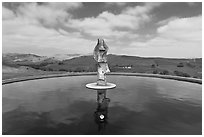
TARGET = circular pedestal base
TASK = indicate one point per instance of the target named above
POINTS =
(95, 86)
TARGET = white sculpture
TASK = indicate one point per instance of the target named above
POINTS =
(100, 55)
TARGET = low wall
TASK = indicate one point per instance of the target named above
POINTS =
(192, 80)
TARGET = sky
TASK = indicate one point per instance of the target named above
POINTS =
(169, 29)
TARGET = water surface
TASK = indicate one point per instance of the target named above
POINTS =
(138, 105)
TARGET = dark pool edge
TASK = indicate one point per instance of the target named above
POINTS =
(13, 80)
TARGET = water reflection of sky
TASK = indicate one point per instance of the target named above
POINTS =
(137, 106)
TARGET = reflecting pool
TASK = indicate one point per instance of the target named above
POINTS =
(138, 105)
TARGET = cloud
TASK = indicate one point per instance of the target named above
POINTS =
(18, 36)
(164, 22)
(141, 10)
(65, 5)
(56, 15)
(47, 14)
(50, 28)
(105, 25)
(183, 29)
(26, 31)
(179, 37)
(191, 3)
(108, 24)
(120, 4)
(7, 14)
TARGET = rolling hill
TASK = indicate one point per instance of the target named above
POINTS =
(117, 63)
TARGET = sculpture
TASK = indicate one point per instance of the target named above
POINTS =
(100, 55)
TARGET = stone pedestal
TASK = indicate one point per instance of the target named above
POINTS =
(95, 86)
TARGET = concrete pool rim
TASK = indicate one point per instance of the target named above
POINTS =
(20, 79)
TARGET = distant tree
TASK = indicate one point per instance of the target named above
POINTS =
(180, 65)
(78, 69)
(165, 72)
(182, 74)
(60, 63)
(44, 69)
(35, 67)
(186, 75)
(50, 69)
(152, 66)
(161, 73)
(155, 72)
(176, 72)
(62, 69)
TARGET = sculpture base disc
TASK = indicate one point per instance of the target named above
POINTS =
(97, 87)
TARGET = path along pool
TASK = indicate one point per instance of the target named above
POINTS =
(138, 105)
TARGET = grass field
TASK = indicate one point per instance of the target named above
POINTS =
(21, 65)
(11, 72)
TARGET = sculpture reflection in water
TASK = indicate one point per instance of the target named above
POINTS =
(101, 114)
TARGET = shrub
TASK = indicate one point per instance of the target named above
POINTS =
(165, 72)
(78, 69)
(190, 65)
(153, 66)
(44, 69)
(60, 63)
(182, 74)
(155, 72)
(50, 69)
(62, 70)
(35, 67)
(180, 65)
